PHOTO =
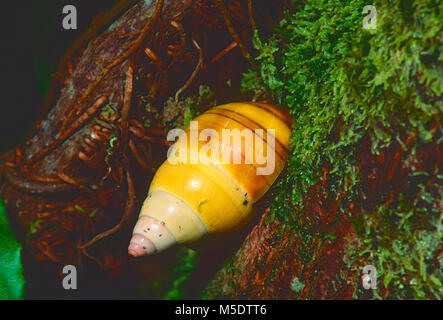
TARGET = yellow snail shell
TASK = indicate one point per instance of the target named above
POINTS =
(196, 192)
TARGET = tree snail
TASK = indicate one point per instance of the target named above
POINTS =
(220, 165)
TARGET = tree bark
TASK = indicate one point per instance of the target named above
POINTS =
(73, 189)
(312, 260)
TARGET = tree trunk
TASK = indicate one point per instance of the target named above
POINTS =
(74, 188)
(315, 259)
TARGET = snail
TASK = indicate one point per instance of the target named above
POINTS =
(220, 165)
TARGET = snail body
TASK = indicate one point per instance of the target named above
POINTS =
(221, 164)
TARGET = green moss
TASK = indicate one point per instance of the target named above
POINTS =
(180, 273)
(80, 209)
(178, 114)
(341, 83)
(146, 120)
(109, 111)
(296, 285)
(33, 227)
(177, 284)
(403, 242)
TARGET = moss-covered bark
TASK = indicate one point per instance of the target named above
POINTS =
(319, 253)
(363, 184)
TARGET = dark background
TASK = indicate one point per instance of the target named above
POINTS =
(32, 41)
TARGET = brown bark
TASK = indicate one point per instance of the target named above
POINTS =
(68, 188)
(279, 261)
